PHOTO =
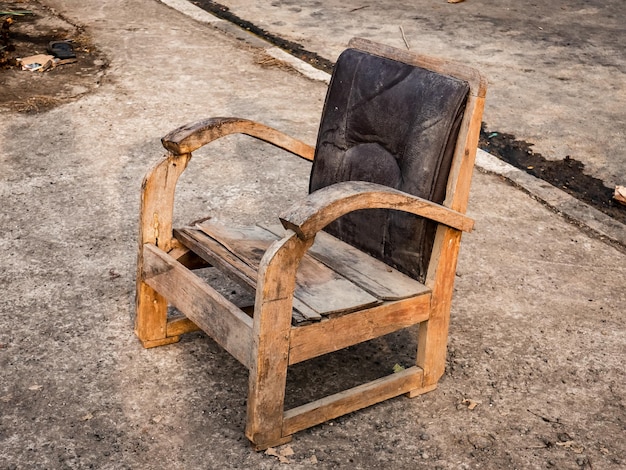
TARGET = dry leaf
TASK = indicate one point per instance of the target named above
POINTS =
(87, 417)
(271, 451)
(157, 419)
(282, 455)
(287, 451)
(35, 387)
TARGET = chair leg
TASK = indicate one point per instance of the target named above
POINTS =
(268, 375)
(432, 341)
(155, 227)
(266, 400)
(151, 317)
(272, 329)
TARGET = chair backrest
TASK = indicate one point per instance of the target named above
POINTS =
(396, 124)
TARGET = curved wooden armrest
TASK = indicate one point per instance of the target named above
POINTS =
(192, 136)
(325, 205)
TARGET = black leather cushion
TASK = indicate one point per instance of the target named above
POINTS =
(394, 124)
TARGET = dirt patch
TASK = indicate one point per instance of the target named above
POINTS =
(28, 33)
(567, 174)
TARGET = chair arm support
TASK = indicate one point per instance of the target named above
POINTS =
(325, 205)
(191, 137)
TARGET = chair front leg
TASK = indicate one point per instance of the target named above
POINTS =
(157, 206)
(271, 330)
(433, 334)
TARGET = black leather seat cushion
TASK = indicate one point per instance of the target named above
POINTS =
(394, 124)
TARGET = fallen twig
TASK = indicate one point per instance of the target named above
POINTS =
(406, 43)
(547, 420)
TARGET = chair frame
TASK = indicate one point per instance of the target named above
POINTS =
(267, 343)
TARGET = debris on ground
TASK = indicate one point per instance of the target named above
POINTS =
(471, 404)
(6, 46)
(15, 12)
(36, 63)
(620, 194)
(29, 29)
(43, 62)
(62, 50)
(282, 454)
(5, 42)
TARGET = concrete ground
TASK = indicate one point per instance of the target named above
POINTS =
(537, 334)
(557, 70)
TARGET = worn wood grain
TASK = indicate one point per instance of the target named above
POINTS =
(272, 324)
(317, 286)
(340, 332)
(191, 137)
(217, 255)
(433, 335)
(354, 399)
(367, 272)
(155, 227)
(230, 327)
(460, 178)
(235, 268)
(325, 205)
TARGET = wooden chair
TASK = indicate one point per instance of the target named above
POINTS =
(372, 249)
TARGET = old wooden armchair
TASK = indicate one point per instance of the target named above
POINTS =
(372, 249)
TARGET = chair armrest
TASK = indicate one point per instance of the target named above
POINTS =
(192, 136)
(325, 205)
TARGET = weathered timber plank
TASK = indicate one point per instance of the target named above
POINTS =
(351, 400)
(234, 267)
(460, 178)
(366, 271)
(325, 205)
(340, 332)
(369, 273)
(222, 320)
(216, 254)
(249, 243)
(318, 287)
(191, 137)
